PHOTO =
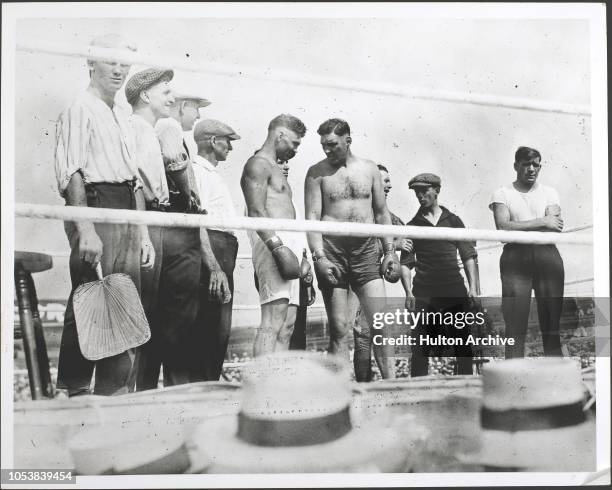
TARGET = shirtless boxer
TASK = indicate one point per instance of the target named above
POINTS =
(275, 255)
(344, 187)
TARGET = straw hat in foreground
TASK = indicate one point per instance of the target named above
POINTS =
(533, 417)
(138, 450)
(295, 417)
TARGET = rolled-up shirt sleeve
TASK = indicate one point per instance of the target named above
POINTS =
(72, 144)
(498, 197)
(467, 250)
(170, 137)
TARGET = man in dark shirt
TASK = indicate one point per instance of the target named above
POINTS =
(438, 284)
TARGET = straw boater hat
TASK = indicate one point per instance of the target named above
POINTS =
(295, 417)
(139, 450)
(533, 417)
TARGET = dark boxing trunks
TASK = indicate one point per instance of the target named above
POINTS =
(357, 258)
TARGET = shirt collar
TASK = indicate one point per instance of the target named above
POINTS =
(202, 162)
(445, 215)
(141, 121)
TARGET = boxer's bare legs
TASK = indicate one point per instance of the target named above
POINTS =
(284, 335)
(336, 305)
(362, 340)
(273, 316)
(372, 297)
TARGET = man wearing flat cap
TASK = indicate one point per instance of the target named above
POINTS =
(150, 96)
(95, 167)
(182, 255)
(438, 285)
(212, 327)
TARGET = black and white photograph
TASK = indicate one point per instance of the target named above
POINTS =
(304, 245)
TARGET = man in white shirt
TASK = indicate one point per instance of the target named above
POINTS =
(150, 96)
(175, 135)
(212, 327)
(182, 256)
(95, 167)
(526, 205)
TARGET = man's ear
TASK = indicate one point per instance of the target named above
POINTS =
(144, 96)
(516, 166)
(349, 140)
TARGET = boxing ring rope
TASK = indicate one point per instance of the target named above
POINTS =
(118, 216)
(304, 79)
(299, 78)
(567, 230)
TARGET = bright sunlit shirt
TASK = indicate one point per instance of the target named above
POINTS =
(525, 206)
(214, 193)
(96, 140)
(149, 159)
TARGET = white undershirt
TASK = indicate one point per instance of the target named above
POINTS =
(525, 206)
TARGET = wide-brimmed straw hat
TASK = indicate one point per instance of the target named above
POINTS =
(295, 417)
(533, 417)
(139, 450)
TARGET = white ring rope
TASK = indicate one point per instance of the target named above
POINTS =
(297, 78)
(567, 230)
(101, 215)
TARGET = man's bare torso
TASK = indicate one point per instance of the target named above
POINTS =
(279, 197)
(346, 191)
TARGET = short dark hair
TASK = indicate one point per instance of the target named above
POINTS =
(524, 154)
(382, 168)
(336, 126)
(290, 122)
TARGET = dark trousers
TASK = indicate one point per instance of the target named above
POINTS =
(176, 309)
(148, 359)
(120, 253)
(298, 336)
(527, 267)
(444, 298)
(211, 331)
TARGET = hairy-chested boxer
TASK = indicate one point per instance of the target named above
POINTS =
(344, 187)
(275, 255)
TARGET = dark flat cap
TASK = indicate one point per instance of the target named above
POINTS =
(143, 80)
(212, 127)
(425, 180)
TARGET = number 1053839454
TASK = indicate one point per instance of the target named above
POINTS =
(30, 476)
